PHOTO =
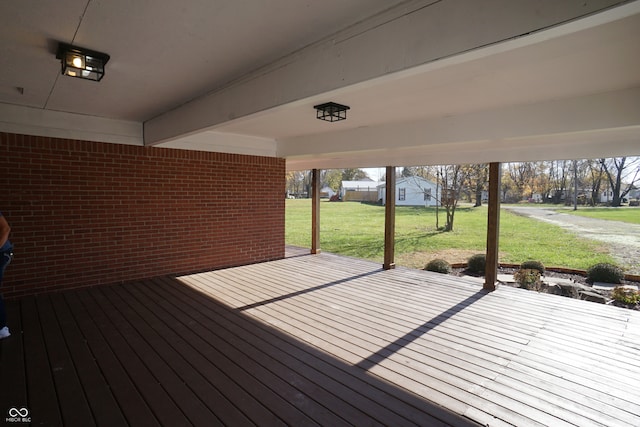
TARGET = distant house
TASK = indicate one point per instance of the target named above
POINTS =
(360, 191)
(412, 191)
(606, 196)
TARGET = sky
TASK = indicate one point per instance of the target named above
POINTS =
(374, 173)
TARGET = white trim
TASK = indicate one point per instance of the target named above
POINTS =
(56, 124)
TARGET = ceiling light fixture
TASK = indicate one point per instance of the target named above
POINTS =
(81, 63)
(331, 112)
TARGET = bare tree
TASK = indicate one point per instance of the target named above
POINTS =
(295, 183)
(542, 182)
(559, 175)
(522, 175)
(451, 179)
(476, 177)
(594, 179)
(615, 169)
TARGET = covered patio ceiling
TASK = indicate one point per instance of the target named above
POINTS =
(428, 82)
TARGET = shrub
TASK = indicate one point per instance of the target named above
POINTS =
(476, 263)
(626, 296)
(533, 265)
(439, 266)
(528, 278)
(605, 272)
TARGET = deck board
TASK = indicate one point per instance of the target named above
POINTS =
(323, 388)
(438, 379)
(73, 402)
(328, 366)
(168, 366)
(154, 394)
(217, 359)
(319, 340)
(133, 407)
(12, 364)
(99, 398)
(41, 392)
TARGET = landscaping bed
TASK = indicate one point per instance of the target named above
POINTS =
(576, 276)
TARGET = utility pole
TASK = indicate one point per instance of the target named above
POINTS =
(575, 185)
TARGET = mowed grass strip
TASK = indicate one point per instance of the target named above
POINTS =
(623, 213)
(357, 230)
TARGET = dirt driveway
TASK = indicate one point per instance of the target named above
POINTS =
(623, 239)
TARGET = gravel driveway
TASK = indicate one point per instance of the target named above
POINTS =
(623, 239)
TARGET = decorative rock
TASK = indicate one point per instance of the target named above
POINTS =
(572, 289)
(559, 280)
(601, 286)
(592, 296)
(554, 289)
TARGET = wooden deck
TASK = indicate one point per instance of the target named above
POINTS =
(318, 340)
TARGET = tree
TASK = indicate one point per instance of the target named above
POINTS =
(522, 175)
(581, 182)
(595, 178)
(451, 179)
(615, 169)
(332, 178)
(542, 181)
(559, 174)
(354, 175)
(295, 183)
(476, 177)
(407, 172)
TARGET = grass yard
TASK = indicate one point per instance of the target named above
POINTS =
(623, 213)
(357, 230)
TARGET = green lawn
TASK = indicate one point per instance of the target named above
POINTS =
(357, 230)
(623, 213)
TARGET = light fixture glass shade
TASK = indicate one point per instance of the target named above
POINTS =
(81, 63)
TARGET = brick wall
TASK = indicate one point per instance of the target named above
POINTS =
(86, 213)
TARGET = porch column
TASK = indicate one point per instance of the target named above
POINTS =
(493, 227)
(390, 219)
(315, 211)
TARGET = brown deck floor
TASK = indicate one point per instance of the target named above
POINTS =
(318, 340)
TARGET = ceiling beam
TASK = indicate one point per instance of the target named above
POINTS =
(599, 125)
(412, 34)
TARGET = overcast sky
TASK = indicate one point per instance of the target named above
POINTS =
(374, 173)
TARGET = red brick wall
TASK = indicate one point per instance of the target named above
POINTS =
(86, 213)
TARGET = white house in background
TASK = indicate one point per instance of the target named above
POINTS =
(412, 191)
(633, 193)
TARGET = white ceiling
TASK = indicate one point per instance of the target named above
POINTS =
(594, 60)
(163, 53)
(565, 90)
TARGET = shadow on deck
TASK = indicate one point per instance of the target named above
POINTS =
(317, 340)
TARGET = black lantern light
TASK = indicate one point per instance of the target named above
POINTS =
(81, 63)
(331, 112)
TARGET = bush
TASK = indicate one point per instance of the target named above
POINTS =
(477, 263)
(528, 278)
(626, 296)
(533, 265)
(605, 272)
(439, 266)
